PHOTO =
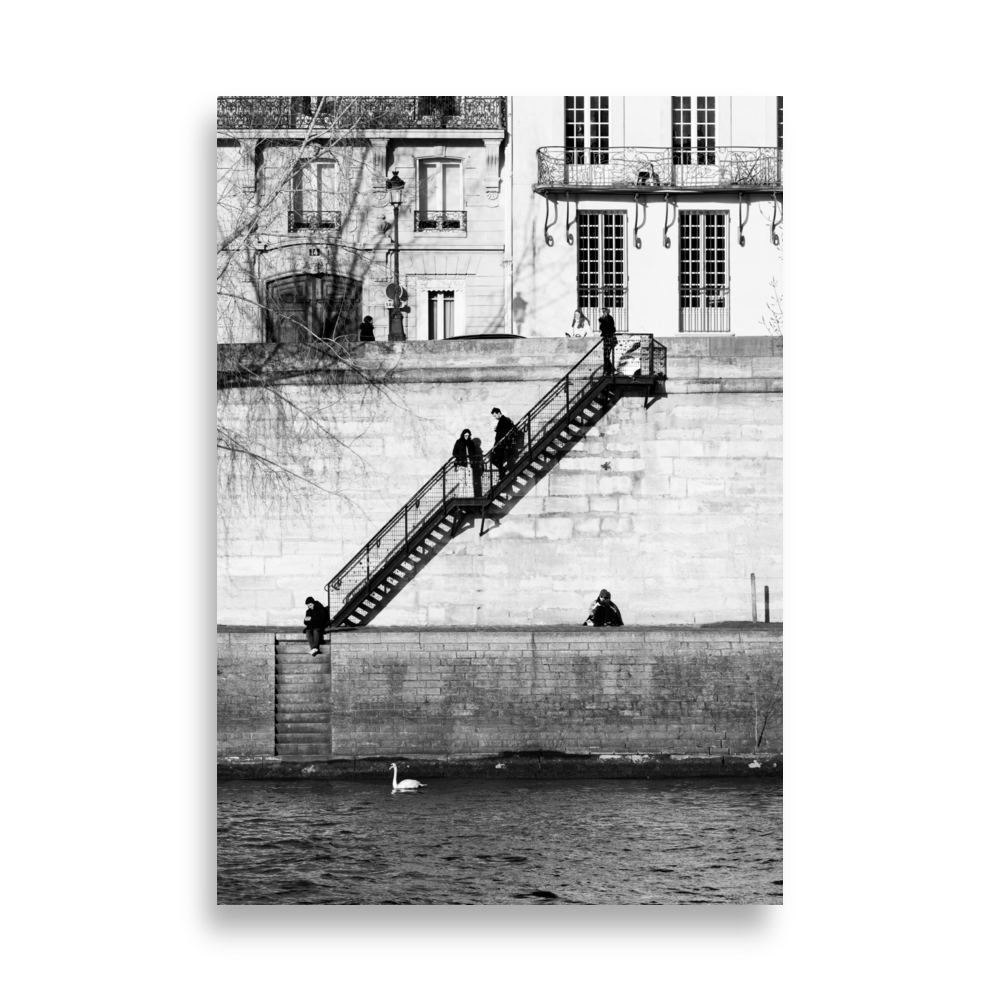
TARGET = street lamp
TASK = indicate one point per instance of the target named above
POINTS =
(395, 188)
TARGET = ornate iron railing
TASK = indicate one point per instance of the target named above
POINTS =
(638, 167)
(439, 220)
(352, 113)
(636, 356)
(324, 219)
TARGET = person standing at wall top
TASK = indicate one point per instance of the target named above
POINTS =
(580, 326)
(316, 620)
(366, 332)
(606, 325)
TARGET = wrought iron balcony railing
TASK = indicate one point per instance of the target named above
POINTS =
(346, 114)
(638, 167)
(439, 220)
(313, 220)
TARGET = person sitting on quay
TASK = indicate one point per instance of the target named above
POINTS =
(316, 620)
(604, 611)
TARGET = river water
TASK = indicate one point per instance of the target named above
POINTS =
(500, 841)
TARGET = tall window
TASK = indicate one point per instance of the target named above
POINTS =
(315, 187)
(600, 266)
(693, 121)
(781, 123)
(440, 315)
(304, 307)
(441, 202)
(586, 129)
(704, 270)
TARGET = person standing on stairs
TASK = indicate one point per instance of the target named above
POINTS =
(502, 455)
(606, 324)
(463, 455)
(316, 620)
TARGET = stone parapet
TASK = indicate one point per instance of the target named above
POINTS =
(711, 360)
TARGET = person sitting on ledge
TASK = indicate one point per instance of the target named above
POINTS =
(604, 611)
(316, 620)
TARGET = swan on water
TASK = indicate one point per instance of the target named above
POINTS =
(406, 785)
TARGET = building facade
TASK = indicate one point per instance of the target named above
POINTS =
(516, 212)
(306, 230)
(665, 210)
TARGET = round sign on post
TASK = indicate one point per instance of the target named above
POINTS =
(390, 292)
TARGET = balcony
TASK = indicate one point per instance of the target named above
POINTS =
(350, 114)
(323, 219)
(423, 221)
(643, 168)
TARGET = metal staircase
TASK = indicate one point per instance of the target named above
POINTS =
(493, 484)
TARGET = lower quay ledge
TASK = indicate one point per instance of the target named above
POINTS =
(504, 767)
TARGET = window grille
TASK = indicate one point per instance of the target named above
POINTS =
(704, 270)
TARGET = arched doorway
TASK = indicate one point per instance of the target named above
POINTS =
(304, 307)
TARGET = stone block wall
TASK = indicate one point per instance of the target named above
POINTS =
(668, 690)
(245, 693)
(670, 506)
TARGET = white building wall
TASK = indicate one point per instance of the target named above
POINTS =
(545, 276)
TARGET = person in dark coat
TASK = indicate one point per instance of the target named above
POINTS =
(606, 324)
(464, 455)
(604, 611)
(367, 330)
(316, 620)
(504, 444)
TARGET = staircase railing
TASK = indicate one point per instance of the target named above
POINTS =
(637, 356)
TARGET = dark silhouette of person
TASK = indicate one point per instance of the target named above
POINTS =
(367, 330)
(502, 455)
(604, 611)
(607, 327)
(316, 620)
(476, 462)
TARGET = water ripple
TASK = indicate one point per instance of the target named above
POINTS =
(466, 842)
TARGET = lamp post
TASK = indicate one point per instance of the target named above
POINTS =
(395, 188)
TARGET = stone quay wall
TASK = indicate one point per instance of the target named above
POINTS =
(244, 697)
(671, 505)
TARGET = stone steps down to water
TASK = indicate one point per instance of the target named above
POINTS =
(302, 698)
(298, 749)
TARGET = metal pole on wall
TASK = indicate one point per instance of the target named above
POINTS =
(767, 603)
(753, 595)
